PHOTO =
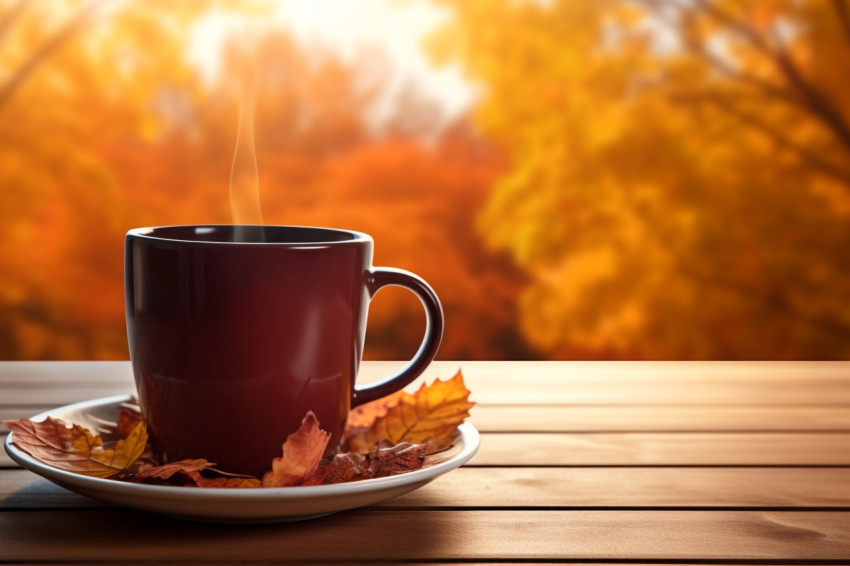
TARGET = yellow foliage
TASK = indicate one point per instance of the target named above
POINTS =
(679, 181)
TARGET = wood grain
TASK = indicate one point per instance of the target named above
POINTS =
(574, 418)
(434, 535)
(665, 449)
(692, 462)
(657, 449)
(556, 488)
(515, 383)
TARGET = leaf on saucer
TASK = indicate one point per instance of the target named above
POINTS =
(228, 481)
(380, 462)
(166, 471)
(364, 416)
(302, 453)
(188, 472)
(431, 416)
(73, 448)
(129, 416)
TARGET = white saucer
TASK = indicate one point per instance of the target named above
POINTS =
(260, 505)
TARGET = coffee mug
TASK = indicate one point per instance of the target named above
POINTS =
(236, 332)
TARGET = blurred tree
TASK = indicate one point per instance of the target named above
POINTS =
(75, 77)
(322, 161)
(679, 180)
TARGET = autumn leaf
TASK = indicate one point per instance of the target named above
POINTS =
(128, 417)
(225, 481)
(189, 471)
(302, 453)
(166, 471)
(380, 462)
(73, 448)
(430, 415)
(364, 416)
(392, 436)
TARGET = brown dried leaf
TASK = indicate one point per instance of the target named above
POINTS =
(431, 415)
(73, 448)
(302, 453)
(228, 481)
(166, 471)
(188, 473)
(378, 463)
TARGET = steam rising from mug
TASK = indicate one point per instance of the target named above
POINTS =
(244, 178)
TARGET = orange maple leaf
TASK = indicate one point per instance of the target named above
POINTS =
(73, 448)
(302, 453)
(431, 415)
(363, 416)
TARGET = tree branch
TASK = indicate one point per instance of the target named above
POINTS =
(43, 53)
(843, 16)
(810, 101)
(773, 90)
(776, 91)
(820, 104)
(736, 25)
(825, 167)
(815, 101)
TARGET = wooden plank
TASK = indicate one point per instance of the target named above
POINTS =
(482, 488)
(655, 449)
(635, 487)
(719, 394)
(21, 489)
(434, 535)
(497, 372)
(665, 449)
(489, 418)
(623, 383)
(65, 372)
(138, 561)
(53, 396)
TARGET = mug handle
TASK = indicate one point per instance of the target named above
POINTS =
(381, 277)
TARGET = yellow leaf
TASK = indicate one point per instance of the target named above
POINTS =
(429, 416)
(125, 452)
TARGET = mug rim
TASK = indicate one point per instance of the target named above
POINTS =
(150, 233)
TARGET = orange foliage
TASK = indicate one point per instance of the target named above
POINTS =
(167, 159)
(620, 197)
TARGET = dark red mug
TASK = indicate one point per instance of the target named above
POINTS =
(235, 332)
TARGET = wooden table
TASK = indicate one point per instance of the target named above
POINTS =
(668, 462)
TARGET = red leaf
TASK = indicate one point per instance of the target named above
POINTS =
(302, 452)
